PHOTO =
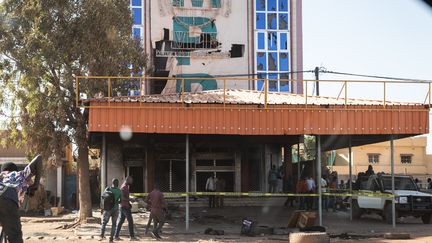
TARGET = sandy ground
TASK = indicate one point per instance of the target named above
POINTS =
(48, 229)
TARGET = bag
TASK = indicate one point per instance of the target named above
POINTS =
(3, 188)
(248, 227)
(108, 200)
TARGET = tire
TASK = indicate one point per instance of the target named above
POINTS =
(426, 218)
(388, 214)
(356, 210)
(316, 237)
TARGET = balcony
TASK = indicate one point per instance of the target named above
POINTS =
(184, 40)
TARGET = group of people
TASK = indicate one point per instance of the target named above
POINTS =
(122, 205)
(215, 184)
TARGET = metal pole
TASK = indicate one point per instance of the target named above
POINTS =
(187, 182)
(298, 161)
(392, 181)
(318, 138)
(350, 173)
(317, 82)
(103, 164)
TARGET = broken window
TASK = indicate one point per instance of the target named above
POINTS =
(271, 21)
(273, 82)
(260, 5)
(283, 61)
(272, 61)
(178, 3)
(283, 5)
(260, 82)
(284, 83)
(271, 5)
(260, 21)
(283, 21)
(272, 41)
(283, 40)
(261, 61)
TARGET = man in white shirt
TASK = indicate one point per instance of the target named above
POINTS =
(211, 187)
(311, 188)
(324, 186)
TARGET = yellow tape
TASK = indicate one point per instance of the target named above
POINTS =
(258, 194)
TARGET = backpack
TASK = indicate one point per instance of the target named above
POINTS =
(108, 200)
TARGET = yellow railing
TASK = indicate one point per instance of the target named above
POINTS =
(94, 88)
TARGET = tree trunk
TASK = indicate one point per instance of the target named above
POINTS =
(85, 204)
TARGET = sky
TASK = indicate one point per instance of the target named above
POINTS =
(375, 37)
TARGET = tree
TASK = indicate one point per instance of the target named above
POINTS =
(44, 45)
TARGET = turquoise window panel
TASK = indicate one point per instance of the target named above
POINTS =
(261, 61)
(178, 3)
(216, 3)
(183, 61)
(181, 28)
(261, 41)
(283, 21)
(283, 5)
(207, 84)
(137, 16)
(271, 21)
(260, 5)
(261, 21)
(271, 5)
(272, 41)
(136, 3)
(272, 61)
(283, 61)
(197, 3)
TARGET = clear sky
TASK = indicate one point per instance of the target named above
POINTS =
(376, 37)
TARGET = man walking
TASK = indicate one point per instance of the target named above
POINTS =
(156, 202)
(114, 212)
(211, 187)
(125, 210)
(272, 179)
(13, 186)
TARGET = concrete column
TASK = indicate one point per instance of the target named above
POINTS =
(193, 175)
(103, 170)
(318, 139)
(350, 172)
(60, 184)
(187, 182)
(237, 173)
(392, 181)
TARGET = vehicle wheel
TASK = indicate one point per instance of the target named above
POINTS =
(315, 237)
(426, 218)
(388, 214)
(356, 210)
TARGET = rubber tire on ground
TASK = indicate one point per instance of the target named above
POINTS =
(426, 218)
(313, 237)
(387, 214)
(356, 210)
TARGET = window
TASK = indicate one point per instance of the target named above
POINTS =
(138, 19)
(272, 44)
(373, 158)
(178, 3)
(406, 158)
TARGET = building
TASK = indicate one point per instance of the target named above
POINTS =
(199, 39)
(409, 153)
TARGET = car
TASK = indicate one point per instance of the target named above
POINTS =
(375, 196)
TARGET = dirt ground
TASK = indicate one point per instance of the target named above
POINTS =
(368, 229)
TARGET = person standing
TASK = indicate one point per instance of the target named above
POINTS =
(114, 212)
(325, 198)
(13, 186)
(125, 210)
(220, 187)
(156, 202)
(429, 183)
(311, 186)
(211, 187)
(272, 179)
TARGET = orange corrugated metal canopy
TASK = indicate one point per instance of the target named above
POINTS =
(240, 112)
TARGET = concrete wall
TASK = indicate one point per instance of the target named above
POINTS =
(115, 168)
(421, 162)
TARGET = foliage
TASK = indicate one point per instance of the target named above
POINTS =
(44, 44)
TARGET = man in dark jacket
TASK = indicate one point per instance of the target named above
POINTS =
(13, 186)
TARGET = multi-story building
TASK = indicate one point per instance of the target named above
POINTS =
(220, 38)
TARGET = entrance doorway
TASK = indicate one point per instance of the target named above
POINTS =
(171, 175)
(222, 168)
(137, 173)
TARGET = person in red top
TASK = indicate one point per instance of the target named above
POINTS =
(125, 210)
(156, 202)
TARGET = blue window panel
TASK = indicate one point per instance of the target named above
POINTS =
(283, 21)
(271, 5)
(272, 42)
(273, 82)
(260, 5)
(261, 41)
(284, 86)
(260, 21)
(283, 5)
(283, 61)
(137, 33)
(137, 16)
(260, 82)
(137, 3)
(283, 41)
(271, 21)
(272, 61)
(261, 61)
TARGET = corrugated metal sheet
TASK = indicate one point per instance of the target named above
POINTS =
(289, 119)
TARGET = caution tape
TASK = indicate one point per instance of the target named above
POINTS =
(260, 194)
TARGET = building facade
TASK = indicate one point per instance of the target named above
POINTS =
(410, 158)
(213, 39)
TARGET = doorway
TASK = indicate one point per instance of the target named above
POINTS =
(137, 173)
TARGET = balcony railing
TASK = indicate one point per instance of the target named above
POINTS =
(387, 94)
(190, 41)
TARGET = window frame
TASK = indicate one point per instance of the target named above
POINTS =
(406, 156)
(373, 158)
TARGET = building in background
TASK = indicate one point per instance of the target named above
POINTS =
(410, 158)
(202, 39)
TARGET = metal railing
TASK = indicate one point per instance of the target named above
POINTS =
(184, 40)
(139, 87)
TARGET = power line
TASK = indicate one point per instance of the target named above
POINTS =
(374, 76)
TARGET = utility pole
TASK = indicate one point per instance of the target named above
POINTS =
(317, 78)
